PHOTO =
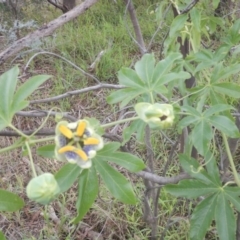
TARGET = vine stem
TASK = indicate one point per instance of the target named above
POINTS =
(235, 174)
(31, 159)
(119, 121)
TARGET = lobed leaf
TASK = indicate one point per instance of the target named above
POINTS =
(116, 183)
(190, 188)
(67, 175)
(10, 202)
(130, 162)
(8, 83)
(225, 219)
(47, 151)
(202, 217)
(87, 192)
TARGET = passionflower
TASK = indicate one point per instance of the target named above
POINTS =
(43, 189)
(156, 115)
(77, 143)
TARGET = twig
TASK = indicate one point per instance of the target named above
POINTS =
(75, 92)
(61, 7)
(42, 113)
(159, 27)
(189, 7)
(162, 180)
(45, 30)
(136, 27)
(69, 62)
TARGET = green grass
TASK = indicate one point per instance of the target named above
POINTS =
(102, 27)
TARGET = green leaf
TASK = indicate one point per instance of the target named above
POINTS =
(164, 66)
(216, 109)
(196, 19)
(235, 200)
(109, 148)
(201, 136)
(223, 72)
(87, 192)
(191, 110)
(177, 24)
(2, 237)
(10, 202)
(8, 82)
(229, 89)
(186, 121)
(47, 151)
(126, 160)
(129, 78)
(137, 126)
(26, 89)
(124, 96)
(190, 188)
(171, 77)
(193, 168)
(67, 175)
(202, 217)
(216, 98)
(225, 125)
(225, 219)
(145, 68)
(212, 168)
(116, 183)
(3, 124)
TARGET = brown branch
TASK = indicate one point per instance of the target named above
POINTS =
(45, 30)
(61, 7)
(162, 180)
(136, 26)
(190, 6)
(75, 92)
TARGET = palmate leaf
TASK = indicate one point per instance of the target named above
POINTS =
(164, 66)
(126, 160)
(212, 168)
(229, 89)
(124, 96)
(116, 183)
(225, 219)
(137, 126)
(10, 202)
(8, 82)
(87, 192)
(47, 151)
(201, 136)
(25, 90)
(190, 188)
(216, 109)
(225, 125)
(67, 175)
(193, 168)
(3, 124)
(145, 67)
(130, 78)
(202, 217)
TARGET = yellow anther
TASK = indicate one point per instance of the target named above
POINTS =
(66, 149)
(81, 154)
(91, 141)
(81, 128)
(65, 131)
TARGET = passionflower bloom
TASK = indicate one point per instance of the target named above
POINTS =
(77, 142)
(156, 115)
(43, 189)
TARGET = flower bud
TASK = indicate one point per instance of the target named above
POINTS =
(156, 115)
(43, 188)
